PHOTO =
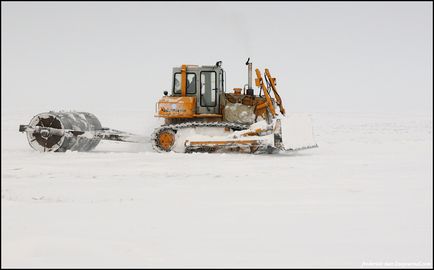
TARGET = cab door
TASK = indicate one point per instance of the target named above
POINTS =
(208, 92)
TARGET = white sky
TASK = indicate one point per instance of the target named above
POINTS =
(353, 56)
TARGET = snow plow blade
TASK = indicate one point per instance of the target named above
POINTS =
(291, 133)
(297, 132)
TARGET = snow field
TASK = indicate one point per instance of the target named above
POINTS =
(365, 195)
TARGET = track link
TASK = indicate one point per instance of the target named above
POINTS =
(175, 127)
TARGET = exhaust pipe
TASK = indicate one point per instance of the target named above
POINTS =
(249, 79)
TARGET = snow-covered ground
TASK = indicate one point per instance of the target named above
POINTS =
(363, 198)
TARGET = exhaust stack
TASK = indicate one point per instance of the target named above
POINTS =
(249, 79)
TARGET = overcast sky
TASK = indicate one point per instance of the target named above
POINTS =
(119, 55)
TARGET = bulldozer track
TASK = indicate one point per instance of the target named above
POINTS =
(175, 127)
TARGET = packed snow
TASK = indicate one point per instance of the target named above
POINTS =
(361, 199)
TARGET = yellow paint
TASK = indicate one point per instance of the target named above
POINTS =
(237, 91)
(228, 143)
(267, 96)
(184, 80)
(261, 105)
(176, 107)
(204, 115)
(276, 95)
(166, 140)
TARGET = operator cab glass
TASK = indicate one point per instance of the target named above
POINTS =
(191, 83)
(208, 88)
(206, 83)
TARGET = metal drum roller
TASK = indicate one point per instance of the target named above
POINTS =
(58, 131)
(75, 131)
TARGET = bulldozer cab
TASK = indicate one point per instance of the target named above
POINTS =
(205, 83)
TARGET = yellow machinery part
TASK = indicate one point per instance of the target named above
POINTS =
(209, 115)
(184, 80)
(176, 107)
(166, 140)
(224, 143)
(273, 87)
(260, 83)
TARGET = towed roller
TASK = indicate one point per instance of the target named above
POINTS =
(74, 131)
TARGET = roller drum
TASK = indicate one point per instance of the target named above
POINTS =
(77, 121)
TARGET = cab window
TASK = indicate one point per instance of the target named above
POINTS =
(191, 83)
(208, 88)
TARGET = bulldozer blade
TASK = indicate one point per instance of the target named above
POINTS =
(291, 133)
(297, 132)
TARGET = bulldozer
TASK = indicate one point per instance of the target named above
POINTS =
(199, 115)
